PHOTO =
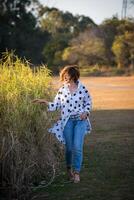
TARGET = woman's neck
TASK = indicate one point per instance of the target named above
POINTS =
(72, 84)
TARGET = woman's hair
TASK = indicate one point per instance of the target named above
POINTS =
(72, 71)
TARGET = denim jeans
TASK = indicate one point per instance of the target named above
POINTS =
(74, 133)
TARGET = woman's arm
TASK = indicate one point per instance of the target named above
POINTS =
(56, 104)
(40, 101)
(87, 102)
(52, 106)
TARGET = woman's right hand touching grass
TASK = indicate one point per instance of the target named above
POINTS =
(40, 101)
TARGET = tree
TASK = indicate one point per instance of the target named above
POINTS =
(86, 49)
(53, 50)
(56, 21)
(62, 27)
(109, 30)
(121, 51)
(123, 44)
(130, 42)
(19, 30)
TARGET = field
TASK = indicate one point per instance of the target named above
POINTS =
(108, 166)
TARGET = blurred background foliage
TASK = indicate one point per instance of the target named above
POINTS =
(56, 38)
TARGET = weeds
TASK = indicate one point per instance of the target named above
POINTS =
(28, 154)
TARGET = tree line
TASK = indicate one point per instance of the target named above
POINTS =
(56, 38)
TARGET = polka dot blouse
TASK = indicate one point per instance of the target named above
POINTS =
(70, 104)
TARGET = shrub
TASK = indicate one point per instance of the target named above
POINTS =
(94, 70)
(28, 154)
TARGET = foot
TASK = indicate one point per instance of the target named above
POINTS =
(70, 174)
(76, 177)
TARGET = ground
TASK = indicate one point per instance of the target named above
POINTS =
(108, 165)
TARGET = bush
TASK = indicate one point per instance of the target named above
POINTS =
(118, 71)
(98, 70)
(94, 70)
(28, 154)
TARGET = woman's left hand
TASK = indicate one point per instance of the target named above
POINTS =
(83, 116)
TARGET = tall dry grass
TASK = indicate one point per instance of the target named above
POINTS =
(28, 154)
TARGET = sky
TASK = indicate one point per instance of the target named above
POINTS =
(97, 10)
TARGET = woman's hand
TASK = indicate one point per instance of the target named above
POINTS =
(84, 115)
(40, 101)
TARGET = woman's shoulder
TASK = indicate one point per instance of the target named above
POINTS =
(81, 85)
(61, 89)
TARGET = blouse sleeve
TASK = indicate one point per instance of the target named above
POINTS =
(87, 102)
(56, 104)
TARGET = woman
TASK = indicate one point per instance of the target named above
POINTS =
(74, 102)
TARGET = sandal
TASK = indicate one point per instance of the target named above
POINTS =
(70, 174)
(76, 177)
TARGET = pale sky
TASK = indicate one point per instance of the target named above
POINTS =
(97, 10)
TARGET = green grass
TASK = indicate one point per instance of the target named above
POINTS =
(108, 166)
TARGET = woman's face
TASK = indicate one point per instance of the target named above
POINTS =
(67, 78)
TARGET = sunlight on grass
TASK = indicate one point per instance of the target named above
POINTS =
(28, 154)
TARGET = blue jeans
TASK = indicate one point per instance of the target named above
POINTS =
(74, 133)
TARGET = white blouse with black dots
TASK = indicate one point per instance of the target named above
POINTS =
(70, 104)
